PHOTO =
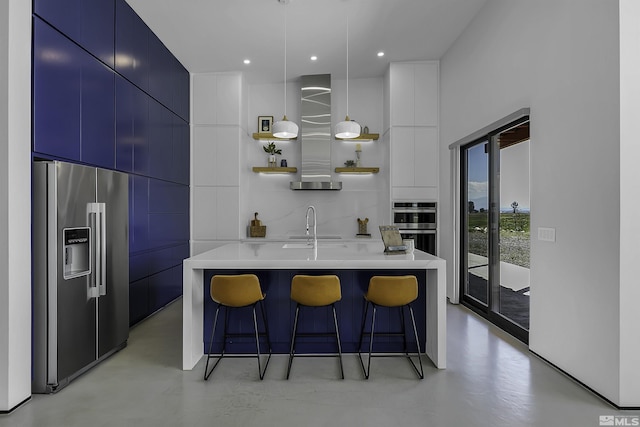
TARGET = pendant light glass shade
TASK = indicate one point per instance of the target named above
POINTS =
(347, 129)
(285, 128)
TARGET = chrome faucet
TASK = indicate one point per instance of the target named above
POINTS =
(315, 234)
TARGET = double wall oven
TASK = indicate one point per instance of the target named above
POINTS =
(417, 221)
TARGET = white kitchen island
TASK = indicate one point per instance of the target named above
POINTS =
(329, 257)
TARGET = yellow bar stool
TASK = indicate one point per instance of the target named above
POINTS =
(236, 291)
(315, 291)
(390, 291)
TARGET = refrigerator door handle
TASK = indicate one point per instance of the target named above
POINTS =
(102, 286)
(94, 210)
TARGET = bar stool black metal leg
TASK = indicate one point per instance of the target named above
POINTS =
(226, 329)
(335, 321)
(415, 332)
(261, 370)
(206, 367)
(293, 340)
(403, 331)
(367, 370)
(364, 319)
(266, 325)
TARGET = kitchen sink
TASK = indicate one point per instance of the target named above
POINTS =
(320, 245)
(296, 246)
(319, 237)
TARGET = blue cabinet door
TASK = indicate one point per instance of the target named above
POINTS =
(180, 84)
(161, 141)
(141, 128)
(160, 67)
(132, 127)
(73, 107)
(138, 300)
(57, 88)
(97, 119)
(163, 288)
(125, 134)
(138, 213)
(131, 45)
(168, 213)
(88, 23)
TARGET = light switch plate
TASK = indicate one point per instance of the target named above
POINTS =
(546, 234)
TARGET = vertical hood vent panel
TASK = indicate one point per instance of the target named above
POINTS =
(315, 113)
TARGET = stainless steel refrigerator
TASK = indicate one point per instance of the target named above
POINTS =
(80, 270)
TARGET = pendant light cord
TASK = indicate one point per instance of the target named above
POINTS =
(347, 64)
(285, 59)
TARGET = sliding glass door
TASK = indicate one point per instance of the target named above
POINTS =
(476, 215)
(495, 224)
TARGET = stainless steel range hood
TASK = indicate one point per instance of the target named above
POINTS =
(315, 112)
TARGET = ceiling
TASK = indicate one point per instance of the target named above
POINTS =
(216, 35)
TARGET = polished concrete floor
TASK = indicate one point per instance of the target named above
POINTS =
(491, 380)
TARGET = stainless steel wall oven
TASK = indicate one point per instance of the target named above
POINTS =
(417, 221)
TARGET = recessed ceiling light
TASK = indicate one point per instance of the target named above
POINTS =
(380, 53)
(314, 58)
(247, 61)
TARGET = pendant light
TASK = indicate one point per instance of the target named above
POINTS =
(347, 129)
(285, 128)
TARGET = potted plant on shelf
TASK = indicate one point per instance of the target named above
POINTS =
(272, 150)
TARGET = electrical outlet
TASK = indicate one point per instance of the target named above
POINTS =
(546, 234)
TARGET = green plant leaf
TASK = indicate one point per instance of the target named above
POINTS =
(270, 148)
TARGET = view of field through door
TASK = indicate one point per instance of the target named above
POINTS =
(496, 227)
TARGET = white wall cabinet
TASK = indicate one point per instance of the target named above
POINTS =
(217, 136)
(413, 132)
(414, 93)
(414, 163)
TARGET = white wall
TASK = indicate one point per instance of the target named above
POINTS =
(629, 202)
(15, 204)
(561, 59)
(225, 190)
(283, 210)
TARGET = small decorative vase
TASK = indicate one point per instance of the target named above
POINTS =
(272, 161)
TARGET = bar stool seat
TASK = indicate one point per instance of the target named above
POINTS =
(237, 291)
(392, 292)
(315, 291)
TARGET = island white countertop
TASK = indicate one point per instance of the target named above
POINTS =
(337, 254)
(329, 255)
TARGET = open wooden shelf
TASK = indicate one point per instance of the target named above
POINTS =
(363, 137)
(269, 136)
(357, 170)
(258, 169)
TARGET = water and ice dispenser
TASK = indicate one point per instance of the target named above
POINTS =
(77, 252)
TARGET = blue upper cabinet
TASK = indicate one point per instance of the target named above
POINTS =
(131, 46)
(161, 62)
(132, 128)
(88, 23)
(142, 58)
(97, 121)
(160, 137)
(73, 108)
(57, 87)
(180, 84)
